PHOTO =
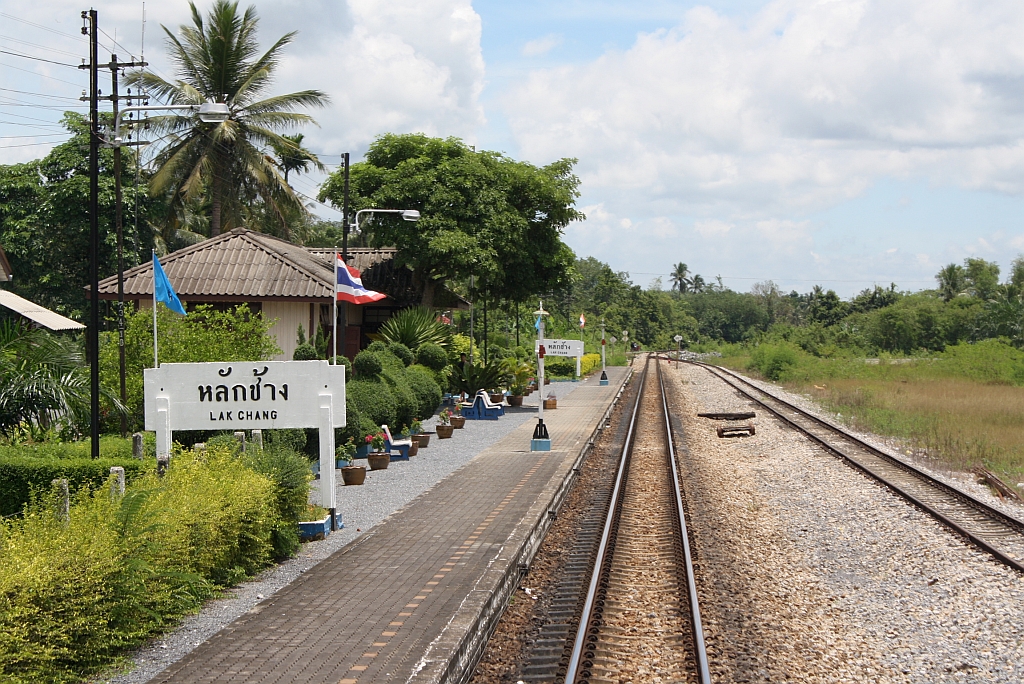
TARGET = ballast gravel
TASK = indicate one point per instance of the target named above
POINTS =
(361, 507)
(810, 572)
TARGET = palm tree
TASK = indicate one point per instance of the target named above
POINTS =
(678, 277)
(292, 156)
(952, 281)
(697, 283)
(218, 60)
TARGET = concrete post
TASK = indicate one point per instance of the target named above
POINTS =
(117, 485)
(63, 501)
(257, 439)
(240, 436)
(163, 429)
(137, 446)
(328, 498)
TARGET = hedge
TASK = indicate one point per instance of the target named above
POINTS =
(373, 399)
(76, 595)
(20, 475)
(566, 366)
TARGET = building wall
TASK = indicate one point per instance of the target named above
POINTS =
(289, 316)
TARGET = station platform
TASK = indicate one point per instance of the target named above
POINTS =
(416, 597)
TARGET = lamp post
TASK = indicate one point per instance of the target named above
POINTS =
(604, 370)
(407, 214)
(541, 439)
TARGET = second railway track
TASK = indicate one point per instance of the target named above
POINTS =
(995, 532)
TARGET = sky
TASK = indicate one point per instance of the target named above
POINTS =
(840, 142)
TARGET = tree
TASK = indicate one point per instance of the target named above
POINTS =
(678, 277)
(982, 277)
(292, 156)
(217, 61)
(44, 221)
(483, 214)
(952, 281)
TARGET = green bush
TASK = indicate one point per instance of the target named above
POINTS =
(343, 361)
(290, 473)
(25, 469)
(367, 365)
(428, 392)
(374, 401)
(75, 595)
(559, 367)
(774, 360)
(403, 353)
(305, 352)
(406, 402)
(432, 356)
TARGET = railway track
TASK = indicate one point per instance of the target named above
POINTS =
(628, 608)
(989, 529)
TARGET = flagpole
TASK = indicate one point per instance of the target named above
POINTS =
(334, 354)
(156, 362)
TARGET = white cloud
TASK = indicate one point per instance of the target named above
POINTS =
(800, 107)
(712, 227)
(541, 46)
(397, 66)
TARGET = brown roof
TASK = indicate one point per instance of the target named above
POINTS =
(239, 265)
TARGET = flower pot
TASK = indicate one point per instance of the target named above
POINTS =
(444, 431)
(515, 400)
(353, 475)
(415, 448)
(550, 404)
(547, 381)
(378, 460)
(314, 530)
(497, 397)
(423, 439)
(458, 422)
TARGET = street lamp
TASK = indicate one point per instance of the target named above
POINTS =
(209, 112)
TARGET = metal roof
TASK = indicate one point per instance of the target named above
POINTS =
(240, 265)
(39, 314)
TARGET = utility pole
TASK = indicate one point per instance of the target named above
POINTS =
(93, 334)
(344, 212)
(115, 98)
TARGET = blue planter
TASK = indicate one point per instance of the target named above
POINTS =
(315, 529)
(362, 451)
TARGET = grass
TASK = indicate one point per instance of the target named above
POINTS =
(964, 407)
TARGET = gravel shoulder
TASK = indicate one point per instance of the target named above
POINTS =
(810, 572)
(362, 507)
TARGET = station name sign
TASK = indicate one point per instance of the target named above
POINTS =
(560, 347)
(243, 395)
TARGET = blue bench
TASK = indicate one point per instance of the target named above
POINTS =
(481, 408)
(391, 445)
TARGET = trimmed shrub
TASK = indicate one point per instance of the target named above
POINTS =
(21, 475)
(305, 352)
(428, 392)
(403, 353)
(374, 401)
(406, 402)
(367, 365)
(590, 363)
(560, 366)
(289, 471)
(343, 361)
(377, 347)
(432, 356)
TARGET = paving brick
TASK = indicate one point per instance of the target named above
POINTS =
(397, 603)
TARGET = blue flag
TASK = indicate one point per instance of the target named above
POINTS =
(162, 290)
(536, 324)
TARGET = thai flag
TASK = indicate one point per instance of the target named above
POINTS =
(349, 286)
(583, 321)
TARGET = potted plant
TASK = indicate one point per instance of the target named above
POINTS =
(377, 457)
(350, 474)
(414, 444)
(551, 402)
(520, 373)
(444, 427)
(314, 523)
(458, 421)
(419, 437)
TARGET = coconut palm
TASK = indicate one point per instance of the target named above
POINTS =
(292, 156)
(678, 277)
(217, 60)
(952, 281)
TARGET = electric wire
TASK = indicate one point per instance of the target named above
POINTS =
(38, 59)
(73, 36)
(27, 92)
(36, 73)
(42, 47)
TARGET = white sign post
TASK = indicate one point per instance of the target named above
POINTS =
(250, 395)
(679, 347)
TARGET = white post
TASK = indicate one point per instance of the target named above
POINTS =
(156, 357)
(163, 428)
(334, 335)
(328, 497)
(578, 360)
(603, 367)
(540, 365)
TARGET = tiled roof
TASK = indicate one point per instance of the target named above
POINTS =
(240, 264)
